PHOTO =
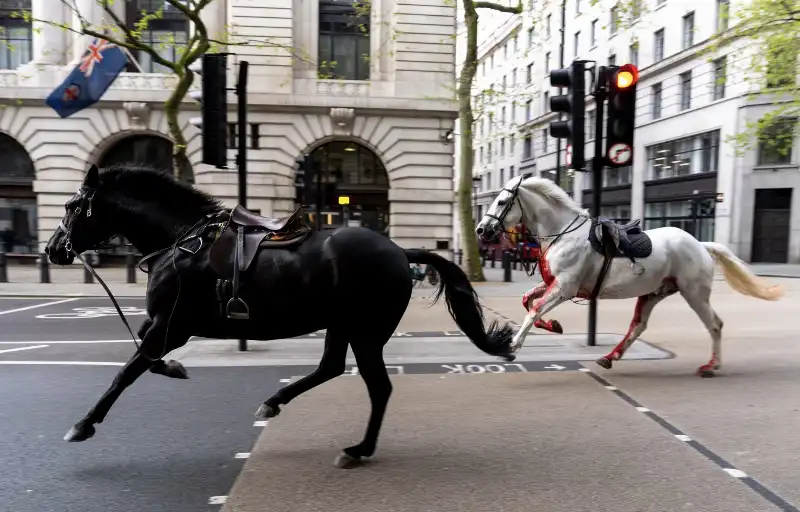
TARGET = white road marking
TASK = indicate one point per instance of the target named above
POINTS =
(584, 370)
(65, 363)
(260, 423)
(18, 349)
(643, 409)
(286, 380)
(40, 305)
(735, 473)
(64, 342)
(217, 500)
(610, 388)
(683, 437)
(242, 455)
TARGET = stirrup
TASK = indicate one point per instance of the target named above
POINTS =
(237, 303)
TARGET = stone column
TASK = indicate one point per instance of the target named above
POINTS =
(92, 13)
(49, 42)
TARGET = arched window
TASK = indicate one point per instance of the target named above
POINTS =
(18, 226)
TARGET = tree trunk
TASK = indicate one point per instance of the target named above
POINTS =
(180, 159)
(466, 120)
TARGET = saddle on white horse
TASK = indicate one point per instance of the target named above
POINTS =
(628, 240)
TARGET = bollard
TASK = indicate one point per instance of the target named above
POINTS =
(494, 253)
(87, 276)
(460, 257)
(130, 265)
(3, 268)
(483, 261)
(44, 268)
(506, 267)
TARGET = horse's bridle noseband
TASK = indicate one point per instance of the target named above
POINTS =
(514, 191)
(87, 196)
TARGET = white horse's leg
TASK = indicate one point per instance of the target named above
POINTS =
(552, 297)
(537, 292)
(699, 300)
(644, 308)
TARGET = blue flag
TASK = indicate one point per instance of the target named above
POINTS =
(99, 67)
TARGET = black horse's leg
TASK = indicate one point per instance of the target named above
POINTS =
(372, 368)
(152, 344)
(172, 369)
(330, 366)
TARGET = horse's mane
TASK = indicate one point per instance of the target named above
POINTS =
(552, 192)
(136, 180)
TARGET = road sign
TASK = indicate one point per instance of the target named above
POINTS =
(568, 157)
(620, 153)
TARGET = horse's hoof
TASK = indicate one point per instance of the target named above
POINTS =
(80, 432)
(706, 373)
(555, 325)
(345, 461)
(267, 411)
(176, 370)
(509, 358)
(604, 362)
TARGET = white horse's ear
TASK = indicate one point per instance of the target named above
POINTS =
(92, 177)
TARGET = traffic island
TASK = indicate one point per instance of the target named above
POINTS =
(504, 442)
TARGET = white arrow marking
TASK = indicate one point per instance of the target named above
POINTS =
(6, 351)
(554, 367)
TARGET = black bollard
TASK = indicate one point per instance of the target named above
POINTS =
(483, 261)
(494, 253)
(506, 267)
(130, 265)
(44, 268)
(3, 268)
(460, 257)
(88, 278)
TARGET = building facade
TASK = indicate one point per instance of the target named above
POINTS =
(692, 99)
(369, 94)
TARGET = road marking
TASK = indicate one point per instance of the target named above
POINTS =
(243, 455)
(735, 473)
(40, 305)
(18, 349)
(64, 342)
(643, 409)
(65, 363)
(260, 423)
(683, 437)
(286, 380)
(217, 500)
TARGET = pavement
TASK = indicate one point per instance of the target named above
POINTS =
(727, 443)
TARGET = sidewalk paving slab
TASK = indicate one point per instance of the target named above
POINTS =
(508, 442)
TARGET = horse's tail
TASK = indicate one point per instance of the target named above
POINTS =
(463, 305)
(739, 276)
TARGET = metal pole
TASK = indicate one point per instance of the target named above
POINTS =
(319, 201)
(241, 144)
(561, 66)
(597, 179)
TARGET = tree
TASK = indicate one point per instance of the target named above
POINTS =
(763, 35)
(466, 122)
(131, 37)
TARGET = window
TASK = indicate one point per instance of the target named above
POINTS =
(658, 45)
(505, 84)
(511, 143)
(546, 105)
(544, 140)
(344, 40)
(513, 78)
(633, 54)
(513, 119)
(511, 172)
(636, 9)
(516, 43)
(489, 153)
(530, 37)
(619, 213)
(688, 30)
(720, 77)
(527, 149)
(529, 73)
(547, 62)
(591, 119)
(547, 26)
(528, 112)
(656, 101)
(612, 59)
(686, 90)
(167, 33)
(695, 216)
(593, 33)
(723, 13)
(482, 155)
(776, 142)
(16, 35)
(781, 60)
(502, 147)
(577, 6)
(617, 177)
(614, 20)
(681, 157)
(577, 40)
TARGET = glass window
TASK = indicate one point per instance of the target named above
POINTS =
(167, 32)
(776, 142)
(16, 47)
(344, 41)
(695, 216)
(620, 214)
(681, 157)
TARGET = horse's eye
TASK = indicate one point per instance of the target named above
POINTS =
(501, 203)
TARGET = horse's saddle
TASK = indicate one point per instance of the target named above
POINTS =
(241, 238)
(628, 240)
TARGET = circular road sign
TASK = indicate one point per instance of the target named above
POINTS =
(620, 153)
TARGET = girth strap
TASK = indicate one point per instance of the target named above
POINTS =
(236, 307)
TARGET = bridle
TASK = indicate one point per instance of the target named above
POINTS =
(87, 196)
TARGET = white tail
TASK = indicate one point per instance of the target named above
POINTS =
(739, 276)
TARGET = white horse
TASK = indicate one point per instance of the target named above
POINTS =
(667, 261)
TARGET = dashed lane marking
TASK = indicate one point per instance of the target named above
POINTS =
(19, 349)
(40, 305)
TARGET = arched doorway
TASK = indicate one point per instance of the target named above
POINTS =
(18, 225)
(143, 149)
(351, 174)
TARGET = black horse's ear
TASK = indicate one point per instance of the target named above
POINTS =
(92, 177)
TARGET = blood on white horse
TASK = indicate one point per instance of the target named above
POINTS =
(570, 267)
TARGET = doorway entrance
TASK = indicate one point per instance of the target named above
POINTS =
(771, 225)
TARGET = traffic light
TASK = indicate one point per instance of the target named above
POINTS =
(574, 104)
(621, 114)
(213, 98)
(304, 180)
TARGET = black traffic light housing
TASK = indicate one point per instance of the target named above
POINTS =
(622, 82)
(572, 103)
(213, 97)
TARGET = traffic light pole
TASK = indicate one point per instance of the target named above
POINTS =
(597, 179)
(241, 144)
(560, 65)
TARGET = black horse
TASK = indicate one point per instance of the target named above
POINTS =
(351, 281)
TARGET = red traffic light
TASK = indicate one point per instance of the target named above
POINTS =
(626, 76)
